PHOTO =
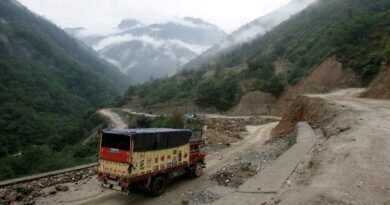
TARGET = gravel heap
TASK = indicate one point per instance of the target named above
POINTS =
(201, 197)
(245, 166)
(27, 192)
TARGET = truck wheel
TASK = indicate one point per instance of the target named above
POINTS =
(197, 172)
(158, 185)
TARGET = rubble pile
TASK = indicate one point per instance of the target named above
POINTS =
(221, 132)
(234, 175)
(201, 197)
(25, 193)
(245, 166)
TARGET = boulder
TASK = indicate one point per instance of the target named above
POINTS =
(24, 189)
(11, 196)
(51, 191)
(62, 187)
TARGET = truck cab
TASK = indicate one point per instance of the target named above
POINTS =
(148, 158)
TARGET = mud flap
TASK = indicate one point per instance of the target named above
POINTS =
(148, 183)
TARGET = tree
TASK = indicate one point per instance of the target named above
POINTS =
(219, 93)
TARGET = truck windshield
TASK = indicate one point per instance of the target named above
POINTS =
(116, 141)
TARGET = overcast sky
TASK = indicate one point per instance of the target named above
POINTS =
(102, 15)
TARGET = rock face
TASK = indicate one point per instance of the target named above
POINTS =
(380, 87)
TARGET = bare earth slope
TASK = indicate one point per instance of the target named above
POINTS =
(327, 76)
(380, 87)
(351, 162)
(254, 103)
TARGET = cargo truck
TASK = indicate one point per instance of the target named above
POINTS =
(148, 158)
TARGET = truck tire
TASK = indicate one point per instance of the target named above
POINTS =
(198, 170)
(158, 185)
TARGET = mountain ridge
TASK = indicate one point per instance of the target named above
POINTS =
(248, 32)
(155, 50)
(349, 34)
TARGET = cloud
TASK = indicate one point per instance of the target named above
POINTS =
(103, 15)
(112, 40)
(156, 43)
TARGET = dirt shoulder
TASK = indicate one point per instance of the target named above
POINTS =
(350, 164)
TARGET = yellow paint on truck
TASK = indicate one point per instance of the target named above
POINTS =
(114, 168)
(147, 162)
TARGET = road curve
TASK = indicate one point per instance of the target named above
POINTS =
(114, 118)
(91, 193)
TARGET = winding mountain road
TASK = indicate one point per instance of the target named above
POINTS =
(351, 167)
(90, 192)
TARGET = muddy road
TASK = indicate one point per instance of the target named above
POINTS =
(90, 192)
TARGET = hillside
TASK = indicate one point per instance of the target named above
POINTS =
(145, 51)
(248, 32)
(349, 34)
(50, 87)
(380, 87)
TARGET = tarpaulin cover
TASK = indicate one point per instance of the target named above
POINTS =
(154, 138)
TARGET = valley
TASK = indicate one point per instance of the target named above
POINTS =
(349, 158)
(294, 106)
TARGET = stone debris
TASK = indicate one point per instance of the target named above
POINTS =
(272, 201)
(234, 175)
(26, 193)
(222, 132)
(245, 166)
(201, 197)
(62, 187)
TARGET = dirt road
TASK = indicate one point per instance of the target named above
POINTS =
(89, 191)
(114, 118)
(352, 167)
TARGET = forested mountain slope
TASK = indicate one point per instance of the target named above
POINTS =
(145, 51)
(248, 32)
(352, 32)
(50, 87)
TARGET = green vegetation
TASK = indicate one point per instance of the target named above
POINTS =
(50, 88)
(40, 159)
(357, 32)
(354, 31)
(266, 79)
(175, 120)
(220, 90)
(221, 93)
